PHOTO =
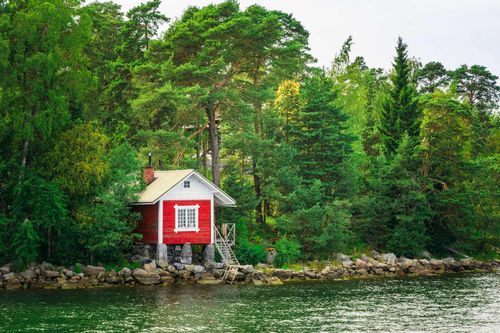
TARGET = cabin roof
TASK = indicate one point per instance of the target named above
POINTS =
(166, 180)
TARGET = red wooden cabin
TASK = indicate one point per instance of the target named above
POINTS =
(177, 207)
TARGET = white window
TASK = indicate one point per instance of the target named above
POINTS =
(187, 184)
(186, 218)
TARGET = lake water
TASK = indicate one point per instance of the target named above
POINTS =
(453, 303)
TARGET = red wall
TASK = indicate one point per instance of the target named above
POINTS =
(181, 237)
(148, 226)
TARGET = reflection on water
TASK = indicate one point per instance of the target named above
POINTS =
(455, 303)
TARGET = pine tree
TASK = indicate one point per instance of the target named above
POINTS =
(400, 112)
(320, 138)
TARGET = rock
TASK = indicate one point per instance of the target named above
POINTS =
(325, 271)
(5, 269)
(309, 273)
(12, 283)
(360, 264)
(283, 274)
(424, 262)
(378, 271)
(68, 273)
(375, 255)
(150, 268)
(93, 270)
(189, 268)
(146, 278)
(162, 264)
(167, 279)
(209, 254)
(178, 266)
(112, 277)
(50, 274)
(343, 257)
(218, 273)
(256, 282)
(347, 264)
(186, 254)
(162, 252)
(437, 264)
(45, 266)
(28, 275)
(218, 265)
(247, 269)
(364, 257)
(389, 258)
(198, 269)
(274, 281)
(125, 273)
(262, 266)
(171, 269)
(362, 272)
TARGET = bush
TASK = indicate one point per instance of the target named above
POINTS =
(288, 251)
(250, 253)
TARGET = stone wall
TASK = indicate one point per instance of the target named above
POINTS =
(47, 276)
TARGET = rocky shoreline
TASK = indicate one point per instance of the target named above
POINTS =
(48, 276)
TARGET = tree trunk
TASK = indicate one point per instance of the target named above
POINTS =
(25, 153)
(214, 144)
(259, 216)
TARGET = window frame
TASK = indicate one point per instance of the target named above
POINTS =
(186, 184)
(185, 208)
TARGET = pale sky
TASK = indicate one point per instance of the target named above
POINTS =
(453, 32)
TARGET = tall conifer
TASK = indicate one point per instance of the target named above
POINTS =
(400, 110)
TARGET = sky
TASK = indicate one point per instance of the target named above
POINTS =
(454, 32)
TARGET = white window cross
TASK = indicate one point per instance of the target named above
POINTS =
(186, 218)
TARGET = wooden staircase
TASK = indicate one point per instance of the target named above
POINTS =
(224, 242)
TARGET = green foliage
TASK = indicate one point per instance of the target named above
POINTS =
(288, 251)
(25, 243)
(106, 226)
(250, 253)
(87, 91)
(400, 112)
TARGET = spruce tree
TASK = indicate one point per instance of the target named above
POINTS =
(400, 110)
(321, 137)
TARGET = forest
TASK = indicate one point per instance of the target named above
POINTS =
(320, 160)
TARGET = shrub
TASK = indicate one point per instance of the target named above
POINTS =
(288, 251)
(250, 253)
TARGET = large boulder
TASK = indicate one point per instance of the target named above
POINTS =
(28, 275)
(125, 273)
(198, 269)
(247, 269)
(209, 255)
(186, 254)
(163, 264)
(93, 270)
(360, 264)
(50, 274)
(150, 267)
(389, 258)
(146, 278)
(282, 274)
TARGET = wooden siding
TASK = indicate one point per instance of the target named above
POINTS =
(204, 236)
(148, 226)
